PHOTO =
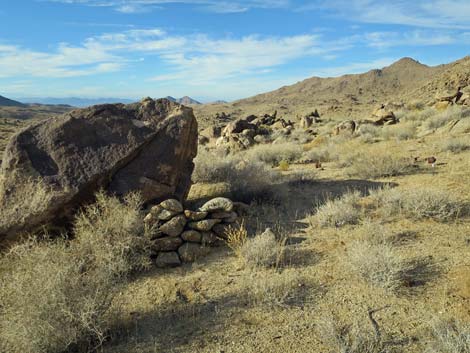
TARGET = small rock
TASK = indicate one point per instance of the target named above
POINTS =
(189, 252)
(149, 219)
(195, 215)
(167, 244)
(192, 236)
(167, 259)
(172, 205)
(218, 204)
(174, 226)
(204, 225)
(161, 213)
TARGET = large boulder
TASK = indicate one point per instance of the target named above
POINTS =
(146, 147)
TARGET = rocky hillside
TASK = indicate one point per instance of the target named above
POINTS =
(352, 95)
(184, 100)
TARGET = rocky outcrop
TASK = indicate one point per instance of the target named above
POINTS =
(188, 235)
(347, 126)
(147, 147)
(383, 116)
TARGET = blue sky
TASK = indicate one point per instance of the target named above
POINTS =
(210, 49)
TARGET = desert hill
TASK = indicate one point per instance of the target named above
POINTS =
(6, 102)
(352, 95)
(184, 100)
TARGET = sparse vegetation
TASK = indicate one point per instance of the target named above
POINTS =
(379, 165)
(273, 154)
(56, 294)
(456, 144)
(419, 203)
(449, 336)
(263, 250)
(339, 212)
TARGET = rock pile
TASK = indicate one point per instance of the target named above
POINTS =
(244, 133)
(446, 99)
(180, 236)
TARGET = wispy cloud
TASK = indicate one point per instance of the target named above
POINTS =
(419, 13)
(222, 6)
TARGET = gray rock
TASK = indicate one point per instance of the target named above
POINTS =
(190, 252)
(174, 226)
(192, 236)
(167, 244)
(195, 215)
(204, 225)
(146, 147)
(167, 259)
(217, 204)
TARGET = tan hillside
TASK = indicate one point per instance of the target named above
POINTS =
(354, 95)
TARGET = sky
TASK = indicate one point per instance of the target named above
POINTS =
(210, 49)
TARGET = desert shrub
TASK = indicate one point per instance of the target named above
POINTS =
(380, 264)
(339, 212)
(273, 154)
(320, 154)
(56, 295)
(351, 338)
(456, 144)
(418, 203)
(273, 288)
(377, 165)
(263, 250)
(246, 180)
(110, 233)
(439, 119)
(399, 132)
(31, 197)
(449, 336)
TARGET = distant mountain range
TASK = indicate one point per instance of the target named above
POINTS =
(74, 101)
(5, 102)
(184, 100)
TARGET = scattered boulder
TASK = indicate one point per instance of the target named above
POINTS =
(146, 147)
(348, 126)
(306, 122)
(383, 116)
(237, 126)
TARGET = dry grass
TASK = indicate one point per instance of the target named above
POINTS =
(273, 154)
(273, 288)
(400, 132)
(236, 238)
(449, 336)
(439, 119)
(339, 212)
(56, 295)
(456, 144)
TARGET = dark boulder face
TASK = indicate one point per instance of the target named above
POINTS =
(146, 147)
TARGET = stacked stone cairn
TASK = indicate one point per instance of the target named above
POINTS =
(180, 236)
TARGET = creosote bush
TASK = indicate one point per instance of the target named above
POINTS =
(378, 165)
(263, 250)
(246, 179)
(339, 212)
(418, 203)
(273, 154)
(56, 294)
